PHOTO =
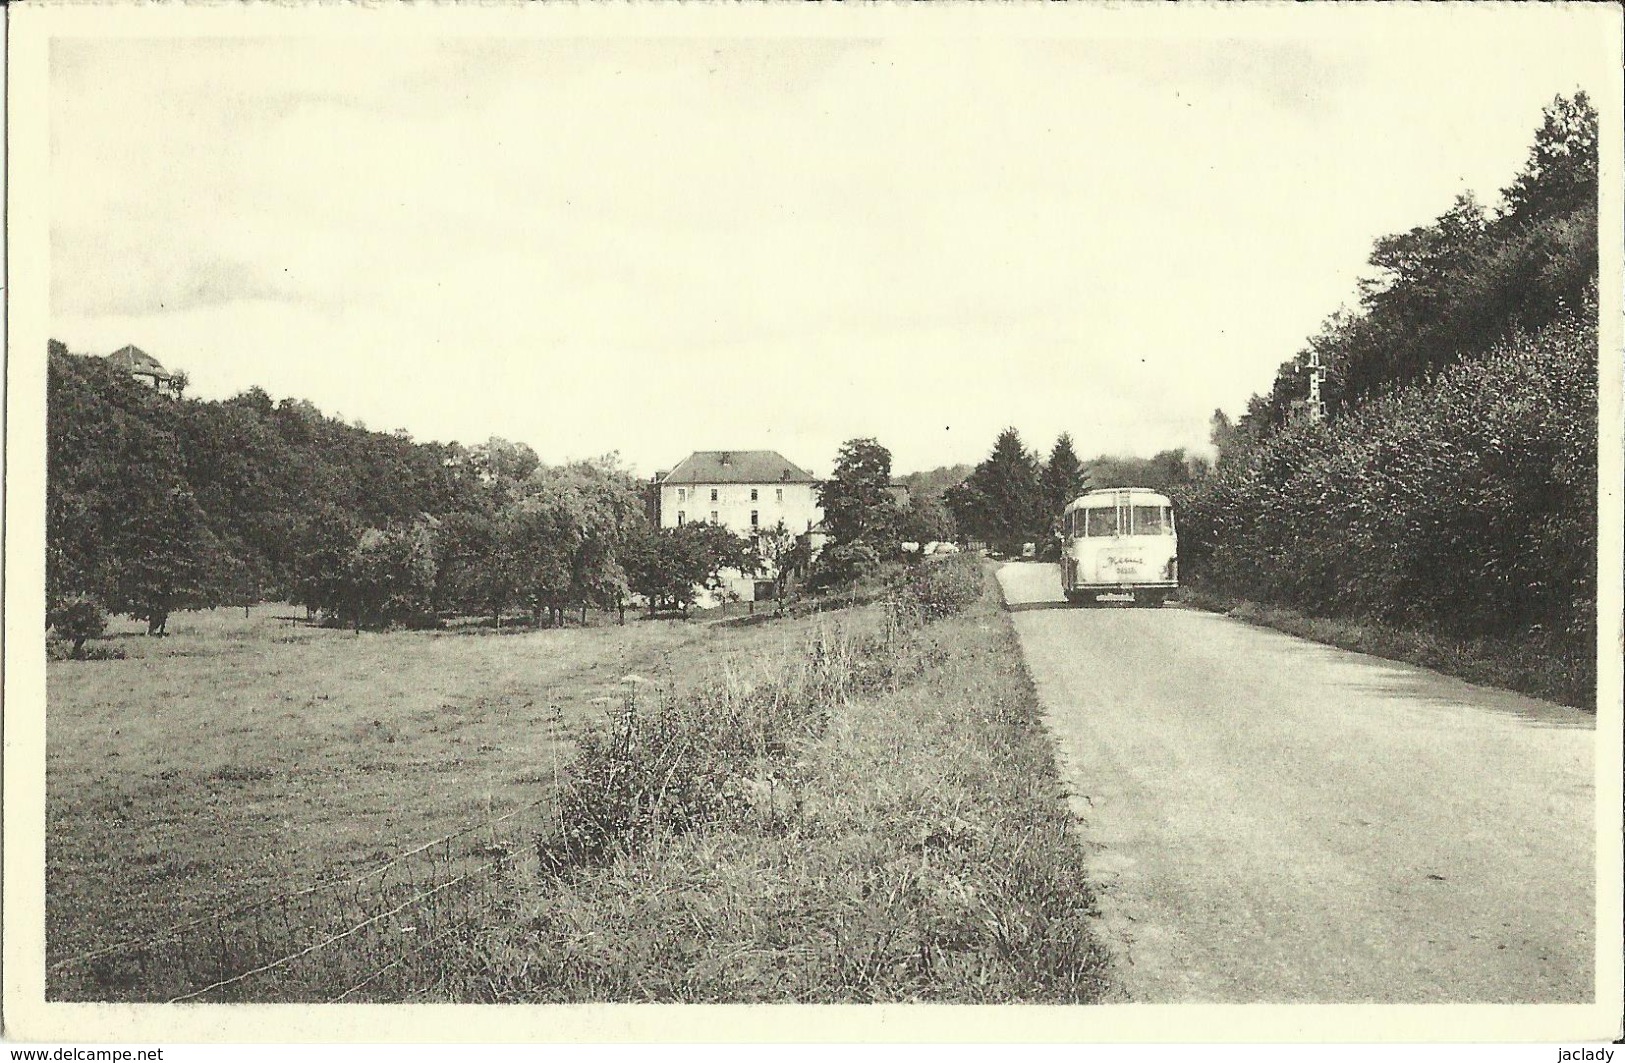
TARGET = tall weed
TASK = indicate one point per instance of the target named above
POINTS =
(884, 831)
(938, 587)
(675, 761)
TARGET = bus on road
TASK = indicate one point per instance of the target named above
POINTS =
(1118, 545)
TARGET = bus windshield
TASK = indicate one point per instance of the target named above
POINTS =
(1101, 522)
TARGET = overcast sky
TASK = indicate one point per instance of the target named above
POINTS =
(657, 246)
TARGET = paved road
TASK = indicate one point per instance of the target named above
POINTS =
(1275, 820)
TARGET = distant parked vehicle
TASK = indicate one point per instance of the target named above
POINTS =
(1119, 545)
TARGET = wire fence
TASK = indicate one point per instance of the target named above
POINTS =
(376, 935)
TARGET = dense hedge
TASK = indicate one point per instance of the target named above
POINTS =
(1464, 504)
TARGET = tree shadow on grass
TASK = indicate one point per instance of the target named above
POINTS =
(663, 618)
(751, 620)
(487, 627)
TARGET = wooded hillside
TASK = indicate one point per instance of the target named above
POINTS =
(1452, 485)
(157, 503)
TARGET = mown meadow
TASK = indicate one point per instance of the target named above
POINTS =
(242, 757)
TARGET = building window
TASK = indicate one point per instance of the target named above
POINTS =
(778, 493)
(682, 494)
(713, 516)
(713, 494)
(753, 494)
(753, 520)
(680, 518)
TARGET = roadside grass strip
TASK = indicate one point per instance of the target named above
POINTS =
(1530, 664)
(874, 815)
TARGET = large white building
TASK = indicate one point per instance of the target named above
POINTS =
(742, 490)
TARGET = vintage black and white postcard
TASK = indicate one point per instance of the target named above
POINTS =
(1013, 522)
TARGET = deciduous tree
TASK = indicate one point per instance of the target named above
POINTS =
(669, 566)
(856, 501)
(76, 618)
(168, 558)
(781, 553)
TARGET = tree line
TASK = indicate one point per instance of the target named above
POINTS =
(1451, 290)
(157, 503)
(1015, 495)
(1012, 497)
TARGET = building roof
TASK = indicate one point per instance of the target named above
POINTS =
(134, 360)
(737, 467)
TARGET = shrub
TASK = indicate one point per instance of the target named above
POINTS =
(1465, 504)
(77, 618)
(843, 563)
(686, 760)
(940, 586)
(683, 761)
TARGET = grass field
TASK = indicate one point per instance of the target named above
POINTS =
(242, 756)
(242, 759)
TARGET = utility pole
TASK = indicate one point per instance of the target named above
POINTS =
(1317, 374)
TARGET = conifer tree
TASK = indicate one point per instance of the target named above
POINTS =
(1002, 502)
(1064, 477)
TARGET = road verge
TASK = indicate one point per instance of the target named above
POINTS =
(1528, 665)
(872, 815)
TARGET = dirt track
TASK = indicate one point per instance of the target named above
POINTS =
(1274, 820)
